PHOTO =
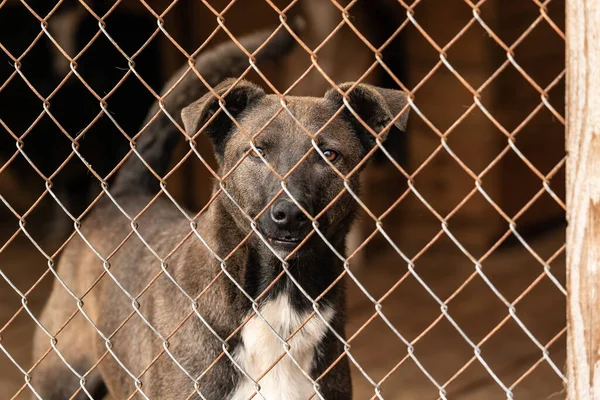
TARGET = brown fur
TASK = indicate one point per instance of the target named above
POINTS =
(193, 266)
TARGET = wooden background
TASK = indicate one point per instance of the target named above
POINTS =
(442, 99)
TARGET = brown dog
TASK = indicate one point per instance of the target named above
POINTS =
(166, 323)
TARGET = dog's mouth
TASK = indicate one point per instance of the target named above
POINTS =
(286, 240)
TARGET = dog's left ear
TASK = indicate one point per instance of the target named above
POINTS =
(374, 105)
(237, 99)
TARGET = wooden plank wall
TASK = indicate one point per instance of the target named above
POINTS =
(583, 200)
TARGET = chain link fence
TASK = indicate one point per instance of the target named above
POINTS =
(455, 271)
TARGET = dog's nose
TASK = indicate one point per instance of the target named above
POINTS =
(287, 215)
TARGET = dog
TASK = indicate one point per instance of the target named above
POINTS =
(250, 304)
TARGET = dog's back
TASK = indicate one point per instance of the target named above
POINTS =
(108, 265)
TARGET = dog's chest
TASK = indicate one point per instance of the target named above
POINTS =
(262, 355)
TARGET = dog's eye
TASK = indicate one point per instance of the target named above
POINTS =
(257, 153)
(330, 155)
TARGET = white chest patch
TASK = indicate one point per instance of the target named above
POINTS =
(262, 348)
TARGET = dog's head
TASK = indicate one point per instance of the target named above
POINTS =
(283, 144)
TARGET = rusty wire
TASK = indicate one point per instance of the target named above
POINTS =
(411, 262)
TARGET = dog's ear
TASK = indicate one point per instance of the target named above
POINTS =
(376, 106)
(237, 99)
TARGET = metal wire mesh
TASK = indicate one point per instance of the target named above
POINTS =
(410, 264)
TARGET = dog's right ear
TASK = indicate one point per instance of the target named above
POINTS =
(376, 106)
(196, 115)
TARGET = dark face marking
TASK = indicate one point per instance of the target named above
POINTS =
(312, 182)
(288, 149)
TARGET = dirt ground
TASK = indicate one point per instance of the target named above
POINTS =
(511, 357)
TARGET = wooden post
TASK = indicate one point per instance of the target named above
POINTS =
(583, 199)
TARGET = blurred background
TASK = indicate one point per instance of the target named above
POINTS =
(512, 139)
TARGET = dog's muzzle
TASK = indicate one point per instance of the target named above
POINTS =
(285, 225)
